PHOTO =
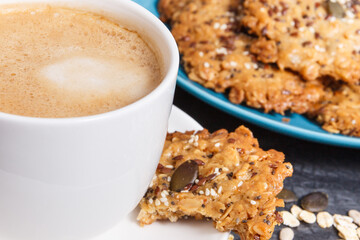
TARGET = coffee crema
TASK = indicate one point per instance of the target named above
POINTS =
(57, 62)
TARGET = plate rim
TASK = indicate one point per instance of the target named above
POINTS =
(198, 91)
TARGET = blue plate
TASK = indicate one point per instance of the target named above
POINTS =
(298, 126)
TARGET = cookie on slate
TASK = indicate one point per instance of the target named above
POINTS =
(215, 53)
(224, 177)
(312, 37)
(339, 112)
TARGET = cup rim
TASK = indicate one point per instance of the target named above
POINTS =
(167, 80)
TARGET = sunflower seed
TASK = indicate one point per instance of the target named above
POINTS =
(355, 215)
(289, 219)
(286, 234)
(295, 210)
(347, 233)
(325, 220)
(307, 217)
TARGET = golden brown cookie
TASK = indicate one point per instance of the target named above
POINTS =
(221, 176)
(169, 9)
(216, 54)
(312, 37)
(339, 112)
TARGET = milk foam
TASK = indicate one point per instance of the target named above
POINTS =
(98, 76)
(58, 62)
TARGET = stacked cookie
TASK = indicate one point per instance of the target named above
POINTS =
(301, 56)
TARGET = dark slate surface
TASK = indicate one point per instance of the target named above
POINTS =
(333, 170)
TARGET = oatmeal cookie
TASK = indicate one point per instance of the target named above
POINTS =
(339, 112)
(312, 37)
(215, 53)
(224, 177)
(170, 9)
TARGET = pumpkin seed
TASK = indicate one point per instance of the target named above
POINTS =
(315, 202)
(335, 9)
(184, 176)
(287, 195)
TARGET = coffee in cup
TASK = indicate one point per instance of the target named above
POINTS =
(59, 62)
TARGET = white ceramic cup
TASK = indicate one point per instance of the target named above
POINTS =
(74, 178)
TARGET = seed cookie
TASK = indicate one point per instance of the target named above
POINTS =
(314, 38)
(215, 53)
(339, 112)
(222, 176)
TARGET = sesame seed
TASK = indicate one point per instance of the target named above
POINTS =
(206, 64)
(246, 53)
(240, 183)
(169, 179)
(196, 181)
(247, 65)
(262, 9)
(252, 202)
(201, 192)
(237, 164)
(207, 192)
(320, 49)
(353, 122)
(169, 166)
(163, 199)
(217, 144)
(332, 19)
(233, 63)
(151, 201)
(166, 204)
(157, 202)
(223, 27)
(201, 54)
(219, 190)
(213, 193)
(255, 66)
(164, 193)
(216, 25)
(221, 50)
(225, 169)
(312, 30)
(349, 14)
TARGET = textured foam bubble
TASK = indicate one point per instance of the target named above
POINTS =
(58, 62)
